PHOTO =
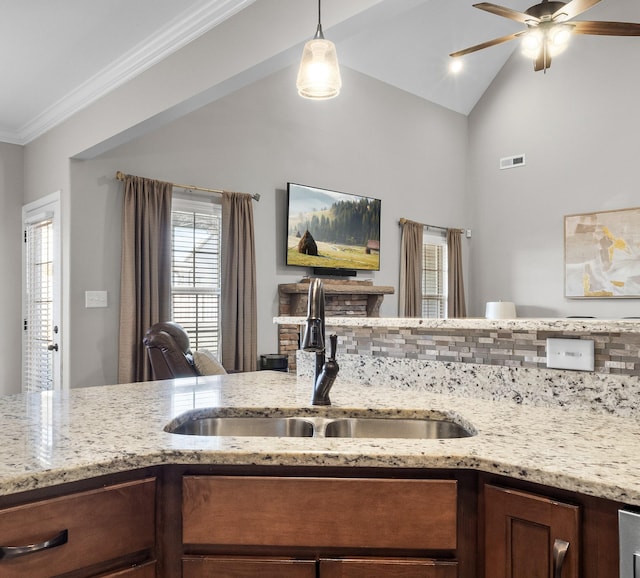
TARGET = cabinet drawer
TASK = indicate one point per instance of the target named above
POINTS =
(388, 568)
(231, 567)
(101, 525)
(147, 570)
(320, 512)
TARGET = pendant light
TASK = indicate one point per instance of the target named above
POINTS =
(319, 73)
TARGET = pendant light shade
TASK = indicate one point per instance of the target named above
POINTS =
(319, 73)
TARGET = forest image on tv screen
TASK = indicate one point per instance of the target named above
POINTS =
(328, 229)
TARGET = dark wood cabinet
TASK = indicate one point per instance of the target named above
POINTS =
(110, 527)
(529, 536)
(147, 570)
(319, 515)
(246, 567)
(237, 522)
(320, 512)
(387, 568)
(272, 567)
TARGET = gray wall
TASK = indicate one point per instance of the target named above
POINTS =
(574, 124)
(373, 140)
(578, 126)
(265, 37)
(11, 186)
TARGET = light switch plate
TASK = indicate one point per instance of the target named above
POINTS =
(95, 299)
(571, 354)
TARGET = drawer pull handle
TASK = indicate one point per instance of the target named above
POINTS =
(9, 552)
(560, 548)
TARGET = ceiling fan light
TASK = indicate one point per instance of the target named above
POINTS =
(319, 74)
(456, 65)
(532, 42)
(558, 38)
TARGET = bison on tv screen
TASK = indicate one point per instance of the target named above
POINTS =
(331, 230)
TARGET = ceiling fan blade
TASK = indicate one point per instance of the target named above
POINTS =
(573, 8)
(507, 12)
(486, 44)
(607, 28)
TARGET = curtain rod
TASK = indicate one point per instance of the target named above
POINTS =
(121, 176)
(403, 221)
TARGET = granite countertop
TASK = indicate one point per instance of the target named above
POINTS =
(578, 325)
(53, 438)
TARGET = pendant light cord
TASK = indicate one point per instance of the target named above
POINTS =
(319, 33)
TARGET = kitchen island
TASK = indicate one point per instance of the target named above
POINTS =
(95, 463)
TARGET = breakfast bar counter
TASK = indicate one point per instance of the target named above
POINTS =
(53, 438)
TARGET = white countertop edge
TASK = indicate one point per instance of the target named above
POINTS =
(582, 325)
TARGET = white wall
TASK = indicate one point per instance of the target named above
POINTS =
(578, 126)
(373, 140)
(11, 186)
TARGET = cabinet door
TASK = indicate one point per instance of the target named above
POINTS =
(239, 567)
(529, 536)
(387, 568)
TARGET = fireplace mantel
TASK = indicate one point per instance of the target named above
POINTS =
(374, 294)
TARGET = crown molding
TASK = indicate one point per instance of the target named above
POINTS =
(169, 39)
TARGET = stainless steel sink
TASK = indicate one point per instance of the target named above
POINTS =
(245, 426)
(318, 426)
(394, 428)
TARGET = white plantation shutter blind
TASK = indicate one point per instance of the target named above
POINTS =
(434, 277)
(195, 275)
(38, 321)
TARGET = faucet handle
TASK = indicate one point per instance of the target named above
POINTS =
(333, 345)
(313, 339)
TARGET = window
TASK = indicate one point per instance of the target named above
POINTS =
(434, 275)
(195, 270)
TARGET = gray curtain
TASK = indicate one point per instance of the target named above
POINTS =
(239, 311)
(410, 297)
(145, 287)
(456, 306)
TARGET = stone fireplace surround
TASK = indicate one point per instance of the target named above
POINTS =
(343, 298)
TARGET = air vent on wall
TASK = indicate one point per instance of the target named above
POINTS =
(512, 162)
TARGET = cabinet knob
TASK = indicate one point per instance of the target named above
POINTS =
(560, 548)
(10, 552)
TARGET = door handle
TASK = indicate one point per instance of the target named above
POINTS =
(560, 548)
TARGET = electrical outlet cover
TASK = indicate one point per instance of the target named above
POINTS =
(571, 354)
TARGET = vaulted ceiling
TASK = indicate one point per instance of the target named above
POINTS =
(60, 56)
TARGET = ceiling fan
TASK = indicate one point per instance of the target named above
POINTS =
(549, 26)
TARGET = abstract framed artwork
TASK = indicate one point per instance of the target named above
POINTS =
(602, 254)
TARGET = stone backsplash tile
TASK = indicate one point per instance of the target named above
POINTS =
(614, 352)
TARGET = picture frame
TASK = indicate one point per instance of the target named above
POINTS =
(602, 254)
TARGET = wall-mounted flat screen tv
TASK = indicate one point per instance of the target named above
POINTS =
(332, 231)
